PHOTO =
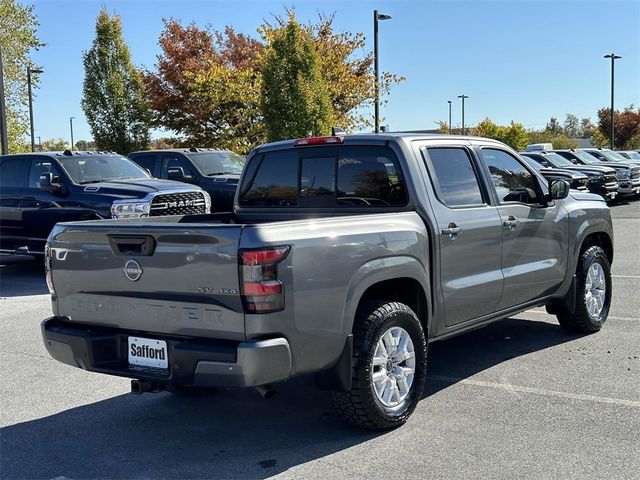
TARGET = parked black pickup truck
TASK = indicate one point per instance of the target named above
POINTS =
(601, 179)
(215, 171)
(38, 190)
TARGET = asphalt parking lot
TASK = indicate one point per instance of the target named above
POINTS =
(518, 399)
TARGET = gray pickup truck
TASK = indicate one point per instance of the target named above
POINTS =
(344, 257)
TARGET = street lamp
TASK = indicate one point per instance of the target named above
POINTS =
(463, 96)
(613, 58)
(71, 126)
(449, 102)
(4, 138)
(29, 72)
(39, 143)
(376, 17)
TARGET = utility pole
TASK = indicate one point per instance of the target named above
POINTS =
(29, 72)
(4, 139)
(613, 58)
(376, 17)
(463, 96)
(71, 127)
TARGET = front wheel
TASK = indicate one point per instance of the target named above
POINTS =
(593, 293)
(389, 367)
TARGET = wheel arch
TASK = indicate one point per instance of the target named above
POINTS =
(397, 279)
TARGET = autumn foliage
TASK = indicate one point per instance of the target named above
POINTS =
(206, 84)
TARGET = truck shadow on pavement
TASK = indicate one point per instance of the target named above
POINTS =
(235, 433)
(21, 276)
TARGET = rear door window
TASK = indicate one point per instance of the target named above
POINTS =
(12, 172)
(325, 177)
(147, 161)
(454, 177)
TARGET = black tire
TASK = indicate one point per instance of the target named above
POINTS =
(360, 406)
(581, 320)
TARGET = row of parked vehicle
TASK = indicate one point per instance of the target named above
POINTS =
(38, 190)
(602, 171)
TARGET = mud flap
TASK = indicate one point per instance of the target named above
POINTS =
(339, 377)
(568, 303)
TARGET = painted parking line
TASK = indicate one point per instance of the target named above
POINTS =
(625, 276)
(515, 389)
(610, 317)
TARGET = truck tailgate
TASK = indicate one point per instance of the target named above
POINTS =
(169, 278)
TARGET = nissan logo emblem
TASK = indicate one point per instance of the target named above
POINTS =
(132, 270)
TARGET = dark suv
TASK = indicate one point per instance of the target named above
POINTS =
(38, 190)
(215, 171)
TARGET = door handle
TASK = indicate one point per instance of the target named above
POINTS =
(452, 230)
(511, 222)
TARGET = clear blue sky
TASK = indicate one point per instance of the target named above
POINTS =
(517, 60)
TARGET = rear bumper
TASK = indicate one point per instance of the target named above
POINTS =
(192, 361)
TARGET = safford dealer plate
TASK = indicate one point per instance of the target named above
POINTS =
(146, 352)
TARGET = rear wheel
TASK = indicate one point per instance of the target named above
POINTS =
(593, 293)
(389, 367)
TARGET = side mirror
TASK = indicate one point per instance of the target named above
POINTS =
(177, 174)
(558, 189)
(50, 183)
(544, 163)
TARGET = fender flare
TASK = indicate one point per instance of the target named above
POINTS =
(380, 270)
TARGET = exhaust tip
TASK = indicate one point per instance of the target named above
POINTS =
(265, 391)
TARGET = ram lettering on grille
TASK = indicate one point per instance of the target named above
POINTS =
(186, 203)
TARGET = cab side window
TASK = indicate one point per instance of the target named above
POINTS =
(41, 166)
(511, 179)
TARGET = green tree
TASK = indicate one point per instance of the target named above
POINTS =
(54, 145)
(114, 98)
(554, 126)
(18, 36)
(558, 140)
(346, 67)
(294, 98)
(571, 126)
(513, 134)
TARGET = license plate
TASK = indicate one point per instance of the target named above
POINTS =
(638, 190)
(146, 352)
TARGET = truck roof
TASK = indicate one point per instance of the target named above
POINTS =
(361, 138)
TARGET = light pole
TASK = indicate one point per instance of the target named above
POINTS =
(71, 126)
(449, 102)
(39, 143)
(376, 17)
(463, 96)
(29, 72)
(613, 58)
(4, 139)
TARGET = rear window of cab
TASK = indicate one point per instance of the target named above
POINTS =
(327, 176)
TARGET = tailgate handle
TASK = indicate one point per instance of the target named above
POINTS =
(132, 245)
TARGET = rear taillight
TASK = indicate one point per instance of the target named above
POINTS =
(262, 292)
(47, 268)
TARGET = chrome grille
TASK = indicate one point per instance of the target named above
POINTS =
(183, 203)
